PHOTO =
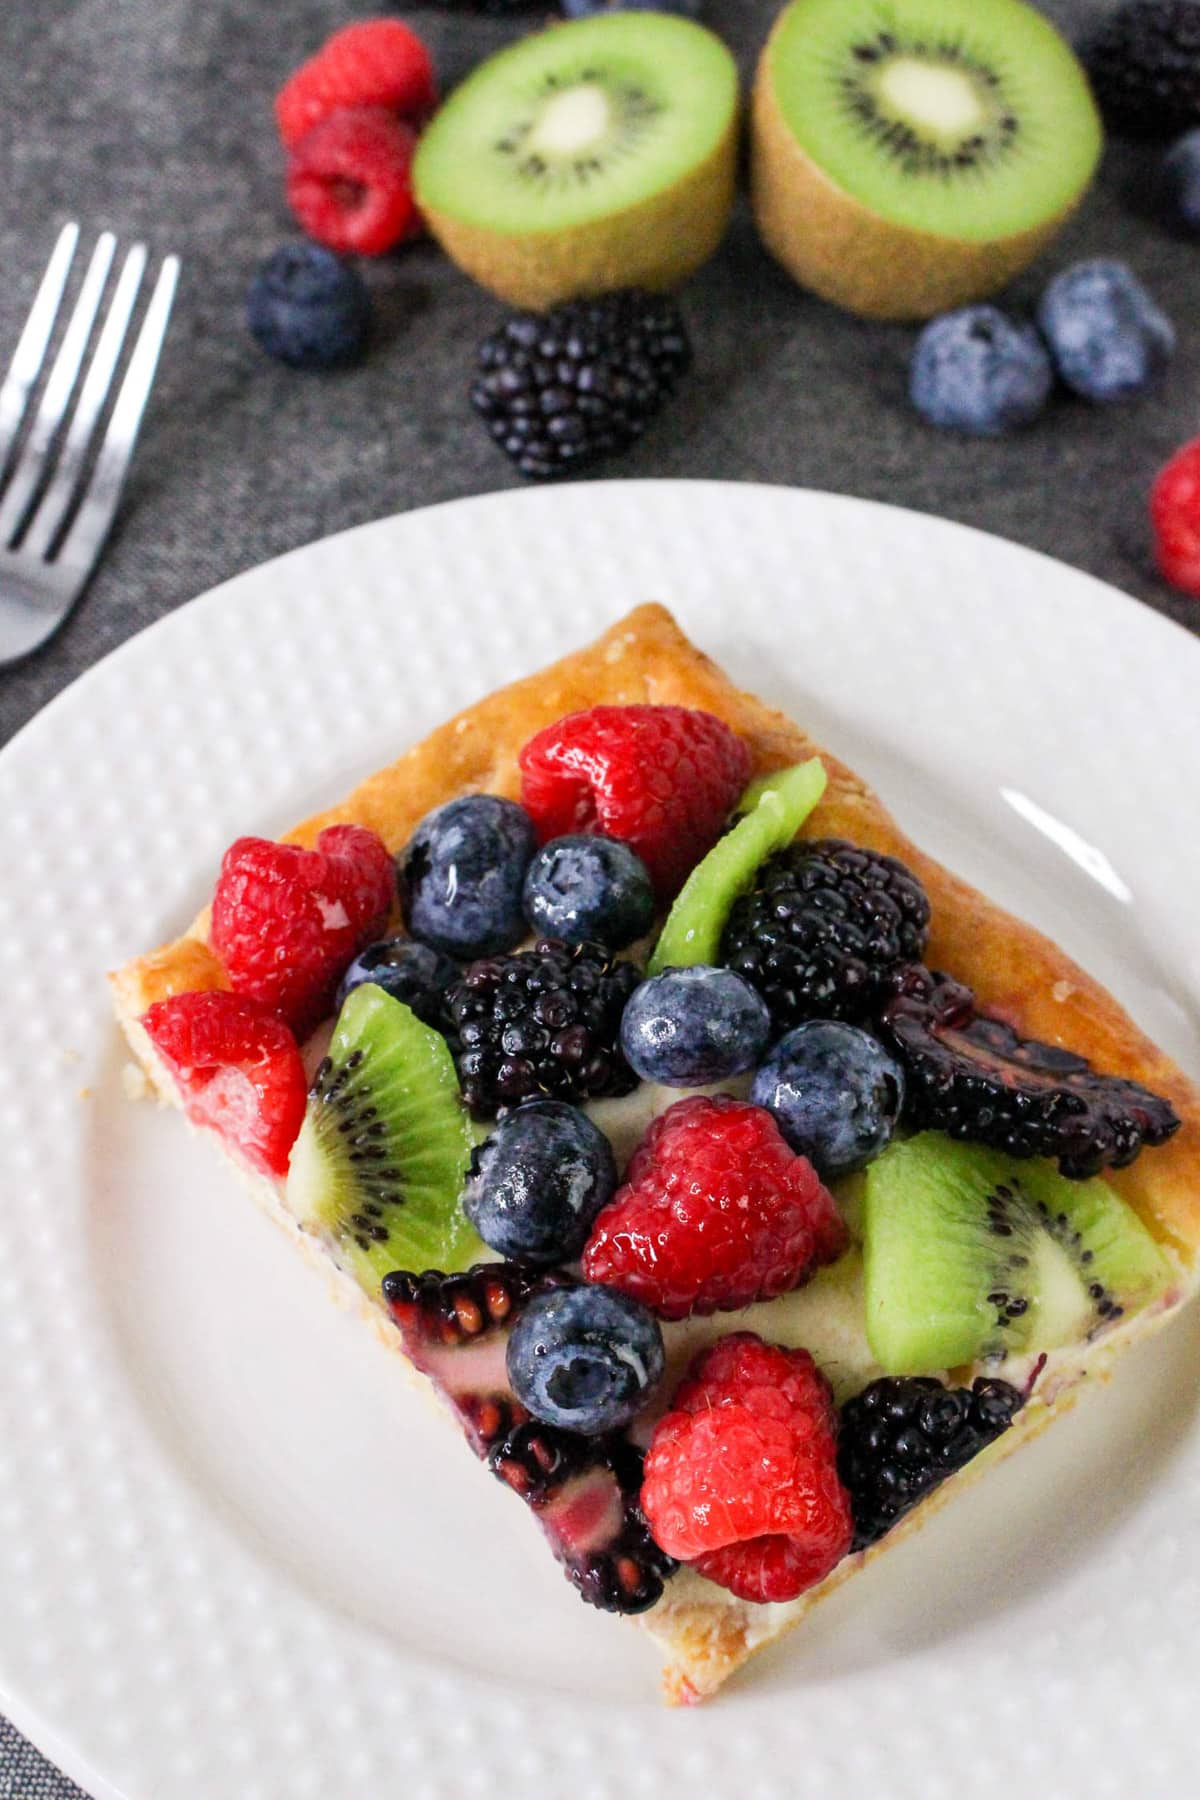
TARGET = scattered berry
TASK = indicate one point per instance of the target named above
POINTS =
(688, 1027)
(461, 875)
(582, 1491)
(979, 371)
(1106, 335)
(349, 182)
(585, 1358)
(309, 309)
(545, 1021)
(286, 922)
(741, 1475)
(538, 1181)
(716, 1213)
(1179, 183)
(238, 1069)
(823, 930)
(589, 889)
(974, 1078)
(407, 971)
(904, 1434)
(561, 389)
(376, 62)
(1144, 64)
(1175, 515)
(834, 1093)
(662, 778)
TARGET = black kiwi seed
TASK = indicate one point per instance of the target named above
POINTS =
(901, 139)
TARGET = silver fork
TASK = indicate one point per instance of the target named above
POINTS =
(46, 481)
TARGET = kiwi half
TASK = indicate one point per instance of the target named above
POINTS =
(912, 155)
(382, 1155)
(971, 1255)
(592, 156)
(774, 807)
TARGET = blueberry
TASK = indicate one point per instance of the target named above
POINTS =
(1106, 335)
(687, 1027)
(407, 970)
(834, 1092)
(1180, 183)
(538, 1182)
(589, 890)
(979, 371)
(461, 874)
(308, 308)
(585, 1358)
(588, 9)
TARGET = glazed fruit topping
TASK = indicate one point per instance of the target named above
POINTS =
(741, 1474)
(543, 1022)
(376, 62)
(586, 1359)
(349, 181)
(538, 1181)
(824, 929)
(238, 1069)
(690, 1027)
(716, 1213)
(834, 1092)
(662, 778)
(462, 874)
(287, 921)
(974, 1077)
(904, 1434)
(583, 1491)
(561, 389)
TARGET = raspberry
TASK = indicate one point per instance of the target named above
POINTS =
(286, 922)
(377, 62)
(741, 1475)
(349, 181)
(238, 1068)
(716, 1213)
(662, 778)
(1175, 515)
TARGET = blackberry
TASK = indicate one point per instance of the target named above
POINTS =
(560, 389)
(974, 1078)
(904, 1434)
(1144, 64)
(545, 1021)
(824, 929)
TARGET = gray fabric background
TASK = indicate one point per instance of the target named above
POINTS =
(153, 117)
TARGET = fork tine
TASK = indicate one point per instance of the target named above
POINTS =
(59, 388)
(90, 527)
(26, 364)
(93, 395)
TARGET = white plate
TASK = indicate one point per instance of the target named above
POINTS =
(238, 1558)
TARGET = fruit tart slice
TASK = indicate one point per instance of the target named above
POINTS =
(741, 1181)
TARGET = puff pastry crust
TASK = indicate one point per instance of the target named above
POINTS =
(1017, 972)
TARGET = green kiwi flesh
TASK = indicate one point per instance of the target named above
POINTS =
(381, 1159)
(774, 809)
(971, 119)
(607, 144)
(970, 1255)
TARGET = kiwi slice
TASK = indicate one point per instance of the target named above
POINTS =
(592, 156)
(971, 1255)
(912, 155)
(382, 1155)
(775, 807)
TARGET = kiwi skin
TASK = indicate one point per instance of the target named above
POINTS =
(837, 247)
(656, 244)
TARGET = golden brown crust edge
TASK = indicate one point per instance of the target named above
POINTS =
(1015, 970)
